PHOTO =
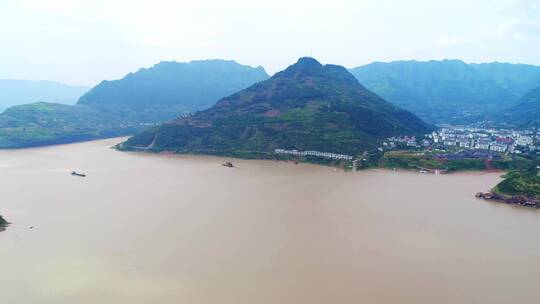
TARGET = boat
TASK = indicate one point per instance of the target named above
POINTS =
(75, 173)
(228, 164)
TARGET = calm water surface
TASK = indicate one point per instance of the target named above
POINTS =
(184, 229)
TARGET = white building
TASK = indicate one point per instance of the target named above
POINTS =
(498, 147)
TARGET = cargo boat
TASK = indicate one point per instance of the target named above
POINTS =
(75, 173)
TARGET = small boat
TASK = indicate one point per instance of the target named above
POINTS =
(228, 164)
(75, 173)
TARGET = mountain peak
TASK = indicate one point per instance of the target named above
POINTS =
(310, 70)
(305, 66)
(308, 61)
(174, 87)
(308, 106)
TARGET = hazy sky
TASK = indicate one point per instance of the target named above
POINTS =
(85, 41)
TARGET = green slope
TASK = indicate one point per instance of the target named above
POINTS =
(49, 123)
(169, 89)
(448, 91)
(518, 79)
(113, 108)
(308, 106)
(526, 113)
(520, 183)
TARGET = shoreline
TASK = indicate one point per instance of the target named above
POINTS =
(518, 200)
(143, 151)
(300, 162)
(210, 215)
(61, 144)
(115, 141)
(234, 160)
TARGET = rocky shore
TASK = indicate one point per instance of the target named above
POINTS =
(521, 200)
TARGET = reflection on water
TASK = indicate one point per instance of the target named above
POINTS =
(183, 229)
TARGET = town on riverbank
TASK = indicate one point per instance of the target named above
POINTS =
(445, 150)
(451, 149)
(461, 138)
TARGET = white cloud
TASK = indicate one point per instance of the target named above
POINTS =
(84, 41)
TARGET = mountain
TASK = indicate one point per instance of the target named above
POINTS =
(308, 106)
(169, 89)
(518, 79)
(41, 123)
(526, 113)
(121, 107)
(448, 91)
(17, 92)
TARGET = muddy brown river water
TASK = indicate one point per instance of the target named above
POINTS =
(146, 228)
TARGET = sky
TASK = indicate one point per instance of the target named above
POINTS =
(82, 42)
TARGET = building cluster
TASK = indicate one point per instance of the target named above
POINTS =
(397, 141)
(496, 140)
(315, 153)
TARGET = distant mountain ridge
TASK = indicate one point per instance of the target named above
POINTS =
(16, 92)
(517, 78)
(171, 88)
(448, 90)
(120, 107)
(43, 123)
(308, 106)
(526, 113)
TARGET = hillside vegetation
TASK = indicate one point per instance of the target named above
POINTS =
(449, 91)
(49, 123)
(520, 183)
(526, 113)
(171, 88)
(308, 106)
(122, 107)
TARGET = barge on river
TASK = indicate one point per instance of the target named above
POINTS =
(75, 173)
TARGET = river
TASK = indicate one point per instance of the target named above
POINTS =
(144, 228)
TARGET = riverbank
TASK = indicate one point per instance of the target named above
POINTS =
(518, 187)
(217, 232)
(520, 200)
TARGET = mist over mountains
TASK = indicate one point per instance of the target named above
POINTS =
(121, 107)
(16, 92)
(449, 91)
(439, 92)
(526, 113)
(171, 88)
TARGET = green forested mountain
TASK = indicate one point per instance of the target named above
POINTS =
(120, 107)
(308, 106)
(449, 90)
(51, 123)
(518, 79)
(16, 92)
(168, 89)
(526, 113)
